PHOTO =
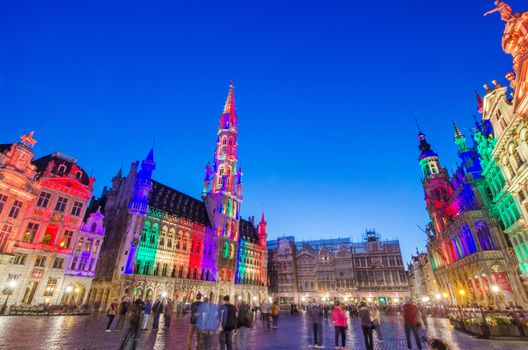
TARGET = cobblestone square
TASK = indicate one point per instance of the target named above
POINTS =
(86, 332)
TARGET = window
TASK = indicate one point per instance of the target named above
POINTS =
(5, 233)
(46, 239)
(76, 210)
(3, 200)
(96, 247)
(50, 287)
(74, 262)
(58, 263)
(79, 244)
(31, 232)
(82, 264)
(20, 259)
(66, 239)
(91, 266)
(41, 261)
(43, 200)
(61, 204)
(88, 245)
(164, 270)
(61, 169)
(15, 209)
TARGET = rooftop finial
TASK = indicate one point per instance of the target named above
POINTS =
(28, 139)
(418, 125)
(503, 8)
(229, 106)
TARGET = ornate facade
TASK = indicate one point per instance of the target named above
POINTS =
(44, 245)
(466, 245)
(422, 282)
(337, 269)
(163, 241)
(506, 117)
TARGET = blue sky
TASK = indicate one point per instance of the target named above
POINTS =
(326, 91)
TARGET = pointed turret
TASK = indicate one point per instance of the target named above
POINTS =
(262, 230)
(460, 140)
(229, 107)
(480, 102)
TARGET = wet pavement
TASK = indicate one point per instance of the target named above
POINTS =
(87, 332)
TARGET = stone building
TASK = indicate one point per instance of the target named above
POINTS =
(422, 282)
(44, 245)
(337, 269)
(164, 242)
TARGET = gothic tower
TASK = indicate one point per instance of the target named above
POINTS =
(436, 184)
(222, 191)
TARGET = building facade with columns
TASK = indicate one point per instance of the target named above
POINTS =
(422, 283)
(164, 242)
(48, 255)
(337, 269)
(505, 112)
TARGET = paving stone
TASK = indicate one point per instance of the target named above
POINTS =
(87, 332)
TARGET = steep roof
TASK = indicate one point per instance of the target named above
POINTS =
(177, 203)
(248, 231)
(58, 158)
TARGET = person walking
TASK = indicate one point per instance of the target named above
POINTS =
(167, 314)
(131, 330)
(316, 317)
(275, 314)
(227, 315)
(206, 324)
(376, 319)
(265, 310)
(410, 319)
(244, 322)
(121, 314)
(157, 309)
(192, 326)
(111, 313)
(366, 325)
(340, 323)
(146, 314)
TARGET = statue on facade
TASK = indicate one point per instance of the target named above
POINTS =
(504, 9)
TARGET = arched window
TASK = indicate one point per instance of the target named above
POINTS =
(146, 230)
(94, 227)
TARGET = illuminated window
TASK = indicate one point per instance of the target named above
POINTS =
(66, 239)
(43, 200)
(31, 232)
(61, 204)
(82, 264)
(41, 261)
(77, 207)
(91, 267)
(88, 245)
(96, 247)
(79, 244)
(15, 209)
(46, 239)
(3, 200)
(50, 287)
(74, 262)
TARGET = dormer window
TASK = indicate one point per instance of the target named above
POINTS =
(61, 169)
(78, 174)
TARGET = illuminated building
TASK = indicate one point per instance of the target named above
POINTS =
(337, 269)
(507, 128)
(44, 244)
(467, 249)
(161, 240)
(422, 282)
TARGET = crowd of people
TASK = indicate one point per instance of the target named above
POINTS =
(230, 324)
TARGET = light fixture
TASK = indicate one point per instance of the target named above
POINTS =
(69, 289)
(12, 283)
(438, 296)
(495, 288)
(462, 292)
(426, 299)
(396, 300)
(369, 299)
(445, 295)
(164, 294)
(239, 297)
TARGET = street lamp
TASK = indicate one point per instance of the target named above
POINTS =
(163, 294)
(426, 299)
(495, 288)
(445, 295)
(438, 296)
(8, 291)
